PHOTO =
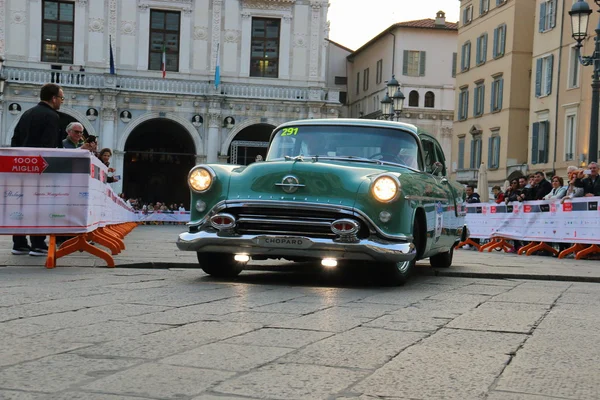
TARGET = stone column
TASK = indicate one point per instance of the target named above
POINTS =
(186, 38)
(315, 39)
(213, 142)
(216, 32)
(79, 32)
(117, 162)
(143, 39)
(285, 48)
(35, 29)
(109, 108)
(246, 39)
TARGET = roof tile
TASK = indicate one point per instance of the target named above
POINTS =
(426, 23)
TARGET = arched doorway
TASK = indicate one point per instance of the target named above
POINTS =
(250, 142)
(159, 153)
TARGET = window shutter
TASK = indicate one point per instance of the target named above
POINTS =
(542, 16)
(497, 151)
(477, 52)
(550, 67)
(461, 153)
(502, 39)
(472, 160)
(534, 142)
(553, 17)
(484, 55)
(468, 55)
(481, 7)
(465, 15)
(544, 156)
(466, 104)
(495, 52)
(463, 53)
(493, 99)
(500, 88)
(454, 61)
(405, 63)
(422, 61)
(490, 152)
(538, 78)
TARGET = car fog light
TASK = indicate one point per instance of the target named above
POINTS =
(241, 258)
(385, 216)
(329, 262)
(200, 206)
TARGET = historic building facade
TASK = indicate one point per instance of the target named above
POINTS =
(421, 55)
(271, 54)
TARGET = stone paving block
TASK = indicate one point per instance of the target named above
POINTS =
(580, 298)
(442, 308)
(14, 395)
(263, 318)
(364, 348)
(369, 310)
(488, 290)
(399, 299)
(290, 381)
(17, 350)
(498, 282)
(409, 319)
(501, 317)
(504, 395)
(90, 396)
(292, 338)
(157, 381)
(475, 341)
(290, 307)
(227, 356)
(168, 342)
(423, 372)
(59, 372)
(193, 313)
(457, 296)
(335, 319)
(221, 397)
(531, 295)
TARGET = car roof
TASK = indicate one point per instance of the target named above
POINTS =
(367, 123)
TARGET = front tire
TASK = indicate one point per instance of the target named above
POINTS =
(398, 273)
(442, 260)
(220, 265)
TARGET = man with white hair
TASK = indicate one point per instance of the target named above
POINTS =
(74, 139)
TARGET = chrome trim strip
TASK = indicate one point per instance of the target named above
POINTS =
(222, 226)
(297, 185)
(426, 198)
(351, 222)
(373, 249)
(283, 222)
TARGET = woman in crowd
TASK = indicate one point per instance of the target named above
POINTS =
(513, 192)
(104, 156)
(498, 195)
(558, 189)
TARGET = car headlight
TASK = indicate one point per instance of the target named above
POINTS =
(385, 188)
(201, 178)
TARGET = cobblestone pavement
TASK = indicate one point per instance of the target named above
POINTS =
(134, 333)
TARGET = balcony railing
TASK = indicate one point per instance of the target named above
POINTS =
(86, 80)
(467, 175)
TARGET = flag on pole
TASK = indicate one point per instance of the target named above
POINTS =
(218, 69)
(112, 57)
(163, 66)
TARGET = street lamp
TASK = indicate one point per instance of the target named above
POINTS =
(580, 18)
(393, 101)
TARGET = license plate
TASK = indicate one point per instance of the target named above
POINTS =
(284, 242)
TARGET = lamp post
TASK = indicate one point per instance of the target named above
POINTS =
(580, 18)
(393, 101)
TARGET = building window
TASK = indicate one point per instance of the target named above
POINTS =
(454, 61)
(164, 36)
(540, 142)
(465, 57)
(573, 69)
(481, 54)
(543, 76)
(357, 82)
(475, 152)
(478, 98)
(570, 132)
(467, 14)
(547, 15)
(484, 6)
(340, 80)
(497, 89)
(461, 152)
(379, 72)
(499, 41)
(57, 31)
(500, 2)
(429, 100)
(366, 79)
(494, 150)
(413, 63)
(264, 60)
(463, 104)
(344, 97)
(413, 99)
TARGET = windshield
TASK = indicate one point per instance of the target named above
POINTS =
(393, 145)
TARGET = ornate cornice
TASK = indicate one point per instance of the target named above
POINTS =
(269, 4)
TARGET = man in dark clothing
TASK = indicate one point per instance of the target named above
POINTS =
(541, 187)
(38, 127)
(472, 197)
(591, 184)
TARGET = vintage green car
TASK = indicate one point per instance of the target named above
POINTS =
(332, 190)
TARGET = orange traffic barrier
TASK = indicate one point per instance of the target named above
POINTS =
(497, 243)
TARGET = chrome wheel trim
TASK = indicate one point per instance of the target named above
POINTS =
(403, 266)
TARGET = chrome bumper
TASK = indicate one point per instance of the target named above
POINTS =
(276, 246)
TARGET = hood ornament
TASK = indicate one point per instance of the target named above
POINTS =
(290, 184)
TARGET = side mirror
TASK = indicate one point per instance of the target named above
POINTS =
(436, 168)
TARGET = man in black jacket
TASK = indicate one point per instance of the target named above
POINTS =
(39, 127)
(590, 184)
(541, 187)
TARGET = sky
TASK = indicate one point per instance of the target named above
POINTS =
(355, 22)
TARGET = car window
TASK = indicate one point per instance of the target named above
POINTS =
(387, 144)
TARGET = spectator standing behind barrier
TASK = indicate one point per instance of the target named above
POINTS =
(498, 195)
(572, 190)
(590, 184)
(74, 139)
(38, 127)
(104, 156)
(558, 189)
(513, 192)
(472, 197)
(541, 186)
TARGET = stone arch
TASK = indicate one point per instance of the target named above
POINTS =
(239, 127)
(69, 111)
(187, 125)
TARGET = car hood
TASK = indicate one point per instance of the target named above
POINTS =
(324, 181)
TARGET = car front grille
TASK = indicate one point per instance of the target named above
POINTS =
(295, 221)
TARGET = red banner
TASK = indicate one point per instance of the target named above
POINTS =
(23, 164)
